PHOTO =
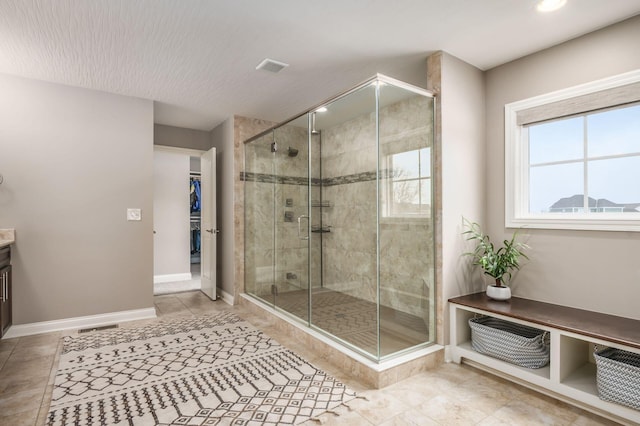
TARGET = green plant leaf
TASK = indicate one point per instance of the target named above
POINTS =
(496, 263)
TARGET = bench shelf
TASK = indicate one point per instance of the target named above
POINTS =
(574, 333)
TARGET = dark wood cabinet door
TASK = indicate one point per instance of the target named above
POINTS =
(5, 289)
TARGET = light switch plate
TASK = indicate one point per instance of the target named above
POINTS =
(134, 214)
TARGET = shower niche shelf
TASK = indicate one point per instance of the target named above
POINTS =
(321, 229)
(317, 203)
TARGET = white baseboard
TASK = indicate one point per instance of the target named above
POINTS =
(171, 287)
(170, 278)
(89, 321)
(226, 297)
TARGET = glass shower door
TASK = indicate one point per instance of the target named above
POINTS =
(260, 187)
(291, 226)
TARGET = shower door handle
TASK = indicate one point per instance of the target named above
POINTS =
(300, 230)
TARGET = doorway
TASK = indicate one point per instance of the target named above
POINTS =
(195, 219)
(184, 221)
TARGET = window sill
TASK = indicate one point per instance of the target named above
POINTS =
(578, 223)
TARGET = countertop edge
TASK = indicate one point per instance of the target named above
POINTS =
(7, 237)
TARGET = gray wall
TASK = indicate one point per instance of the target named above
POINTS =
(222, 140)
(181, 138)
(171, 213)
(194, 165)
(586, 269)
(459, 173)
(73, 161)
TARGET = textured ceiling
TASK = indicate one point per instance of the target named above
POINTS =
(197, 59)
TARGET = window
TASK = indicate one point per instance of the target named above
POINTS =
(573, 158)
(409, 184)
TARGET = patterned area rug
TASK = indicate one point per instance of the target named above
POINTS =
(207, 370)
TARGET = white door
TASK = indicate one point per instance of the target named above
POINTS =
(209, 231)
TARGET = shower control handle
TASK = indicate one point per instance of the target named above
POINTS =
(306, 237)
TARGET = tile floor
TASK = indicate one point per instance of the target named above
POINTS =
(448, 395)
(177, 286)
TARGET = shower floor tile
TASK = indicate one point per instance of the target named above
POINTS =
(355, 320)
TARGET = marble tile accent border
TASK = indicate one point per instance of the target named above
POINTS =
(295, 180)
(377, 376)
(354, 178)
(281, 179)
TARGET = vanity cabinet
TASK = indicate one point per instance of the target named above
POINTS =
(5, 289)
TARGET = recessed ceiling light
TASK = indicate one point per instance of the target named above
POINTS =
(271, 65)
(322, 109)
(550, 5)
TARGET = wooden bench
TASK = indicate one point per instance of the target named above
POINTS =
(571, 373)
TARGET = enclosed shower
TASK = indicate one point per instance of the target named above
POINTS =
(339, 218)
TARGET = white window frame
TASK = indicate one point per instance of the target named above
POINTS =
(517, 168)
(389, 194)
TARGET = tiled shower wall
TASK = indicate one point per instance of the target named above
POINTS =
(349, 157)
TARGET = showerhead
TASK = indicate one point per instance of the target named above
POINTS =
(292, 152)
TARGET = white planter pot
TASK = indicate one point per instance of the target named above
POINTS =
(498, 293)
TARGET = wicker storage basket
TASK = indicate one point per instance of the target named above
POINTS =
(618, 376)
(511, 342)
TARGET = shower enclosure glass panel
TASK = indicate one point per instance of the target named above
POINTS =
(259, 215)
(339, 218)
(291, 259)
(345, 303)
(405, 232)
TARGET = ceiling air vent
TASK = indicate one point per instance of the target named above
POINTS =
(271, 65)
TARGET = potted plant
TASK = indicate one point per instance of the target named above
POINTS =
(497, 263)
